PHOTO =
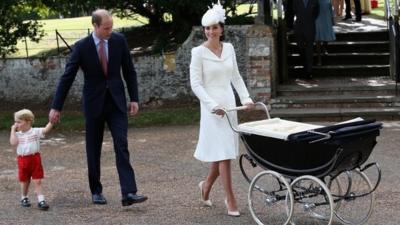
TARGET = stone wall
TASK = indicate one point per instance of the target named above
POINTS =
(160, 77)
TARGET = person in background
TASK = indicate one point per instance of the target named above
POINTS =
(213, 69)
(324, 28)
(27, 141)
(338, 6)
(306, 12)
(357, 5)
(289, 14)
(366, 7)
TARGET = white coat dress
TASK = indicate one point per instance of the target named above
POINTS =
(210, 79)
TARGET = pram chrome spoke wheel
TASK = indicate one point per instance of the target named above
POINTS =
(357, 200)
(313, 203)
(270, 199)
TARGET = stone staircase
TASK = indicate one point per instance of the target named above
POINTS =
(353, 81)
(335, 99)
(353, 53)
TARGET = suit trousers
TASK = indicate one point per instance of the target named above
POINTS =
(306, 51)
(357, 5)
(117, 123)
(289, 15)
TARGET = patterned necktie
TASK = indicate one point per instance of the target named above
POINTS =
(103, 57)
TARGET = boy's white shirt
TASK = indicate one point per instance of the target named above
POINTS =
(29, 141)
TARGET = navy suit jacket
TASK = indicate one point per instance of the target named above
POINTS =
(85, 56)
(304, 26)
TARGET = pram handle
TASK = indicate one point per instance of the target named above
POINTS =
(262, 105)
(243, 107)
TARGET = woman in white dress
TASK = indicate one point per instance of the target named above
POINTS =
(213, 69)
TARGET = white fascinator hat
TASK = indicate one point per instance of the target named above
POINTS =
(214, 15)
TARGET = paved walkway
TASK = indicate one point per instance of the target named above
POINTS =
(367, 24)
(166, 172)
(345, 81)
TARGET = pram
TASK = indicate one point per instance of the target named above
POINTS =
(310, 174)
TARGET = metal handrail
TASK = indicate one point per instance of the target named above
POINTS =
(388, 13)
(273, 6)
(392, 18)
(391, 11)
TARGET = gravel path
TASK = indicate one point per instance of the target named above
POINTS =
(166, 172)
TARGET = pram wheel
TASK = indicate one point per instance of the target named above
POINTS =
(313, 203)
(248, 167)
(355, 206)
(270, 199)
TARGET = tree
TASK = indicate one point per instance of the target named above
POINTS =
(74, 8)
(173, 19)
(13, 25)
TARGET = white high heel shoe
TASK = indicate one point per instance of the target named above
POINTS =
(231, 213)
(208, 202)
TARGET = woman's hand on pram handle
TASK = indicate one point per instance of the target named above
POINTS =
(250, 106)
(247, 106)
(219, 110)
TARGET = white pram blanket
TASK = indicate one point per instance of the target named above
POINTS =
(279, 128)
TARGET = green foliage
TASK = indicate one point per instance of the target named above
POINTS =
(173, 19)
(74, 8)
(240, 20)
(13, 25)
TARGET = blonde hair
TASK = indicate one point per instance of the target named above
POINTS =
(25, 114)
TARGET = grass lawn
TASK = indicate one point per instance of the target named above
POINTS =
(380, 11)
(71, 29)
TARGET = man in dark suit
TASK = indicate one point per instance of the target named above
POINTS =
(357, 5)
(306, 12)
(101, 55)
(289, 17)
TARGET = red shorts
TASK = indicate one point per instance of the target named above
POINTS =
(30, 166)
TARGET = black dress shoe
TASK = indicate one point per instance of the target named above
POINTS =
(346, 18)
(99, 199)
(130, 199)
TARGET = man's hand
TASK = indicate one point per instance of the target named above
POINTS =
(133, 108)
(54, 116)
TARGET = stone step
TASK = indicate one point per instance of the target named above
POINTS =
(345, 59)
(348, 47)
(336, 114)
(343, 70)
(363, 36)
(314, 89)
(354, 36)
(335, 101)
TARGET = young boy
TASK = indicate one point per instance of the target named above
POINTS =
(30, 167)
